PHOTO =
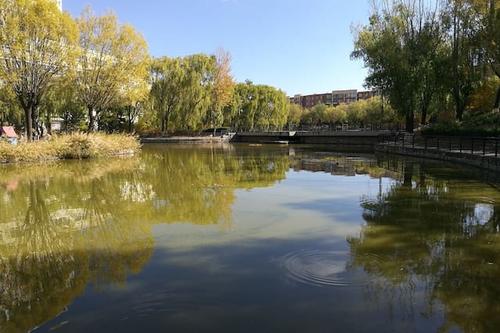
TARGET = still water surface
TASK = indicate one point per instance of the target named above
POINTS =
(248, 239)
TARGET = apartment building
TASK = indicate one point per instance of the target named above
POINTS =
(362, 95)
(309, 101)
(344, 96)
(336, 97)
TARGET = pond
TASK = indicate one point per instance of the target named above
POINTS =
(235, 238)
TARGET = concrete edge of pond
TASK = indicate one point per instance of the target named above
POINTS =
(490, 163)
(185, 140)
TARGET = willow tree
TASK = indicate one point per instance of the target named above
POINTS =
(113, 57)
(36, 47)
(200, 72)
(167, 79)
(257, 107)
(182, 91)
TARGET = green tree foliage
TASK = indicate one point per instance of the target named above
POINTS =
(295, 116)
(422, 55)
(10, 112)
(199, 79)
(374, 112)
(167, 84)
(113, 62)
(487, 13)
(195, 92)
(257, 107)
(182, 91)
(399, 46)
(223, 88)
(37, 46)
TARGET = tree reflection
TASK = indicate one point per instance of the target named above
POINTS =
(197, 185)
(40, 272)
(65, 225)
(441, 235)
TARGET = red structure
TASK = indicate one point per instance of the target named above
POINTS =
(8, 133)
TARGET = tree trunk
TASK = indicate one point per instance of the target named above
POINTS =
(92, 119)
(36, 123)
(409, 122)
(423, 120)
(459, 109)
(48, 123)
(164, 122)
(130, 125)
(167, 119)
(455, 58)
(130, 118)
(29, 123)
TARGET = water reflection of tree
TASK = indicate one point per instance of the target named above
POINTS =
(49, 255)
(197, 185)
(40, 273)
(78, 223)
(430, 231)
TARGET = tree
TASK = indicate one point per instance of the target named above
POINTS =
(68, 106)
(37, 45)
(200, 72)
(464, 54)
(318, 115)
(10, 113)
(489, 13)
(243, 107)
(295, 116)
(223, 88)
(167, 85)
(113, 58)
(258, 107)
(396, 46)
(484, 97)
(133, 99)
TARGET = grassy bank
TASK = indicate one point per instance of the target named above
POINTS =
(73, 146)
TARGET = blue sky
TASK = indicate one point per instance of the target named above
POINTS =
(300, 46)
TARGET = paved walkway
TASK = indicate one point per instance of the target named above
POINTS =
(488, 160)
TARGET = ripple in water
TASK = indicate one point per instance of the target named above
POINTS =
(171, 301)
(321, 269)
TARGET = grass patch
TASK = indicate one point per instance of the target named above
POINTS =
(77, 146)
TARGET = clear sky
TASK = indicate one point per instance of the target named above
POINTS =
(300, 46)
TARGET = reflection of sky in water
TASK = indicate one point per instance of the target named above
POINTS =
(483, 213)
(305, 205)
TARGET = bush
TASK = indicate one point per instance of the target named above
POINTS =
(464, 129)
(73, 146)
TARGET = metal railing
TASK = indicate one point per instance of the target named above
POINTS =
(464, 145)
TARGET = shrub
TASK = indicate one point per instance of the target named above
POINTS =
(481, 124)
(73, 146)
